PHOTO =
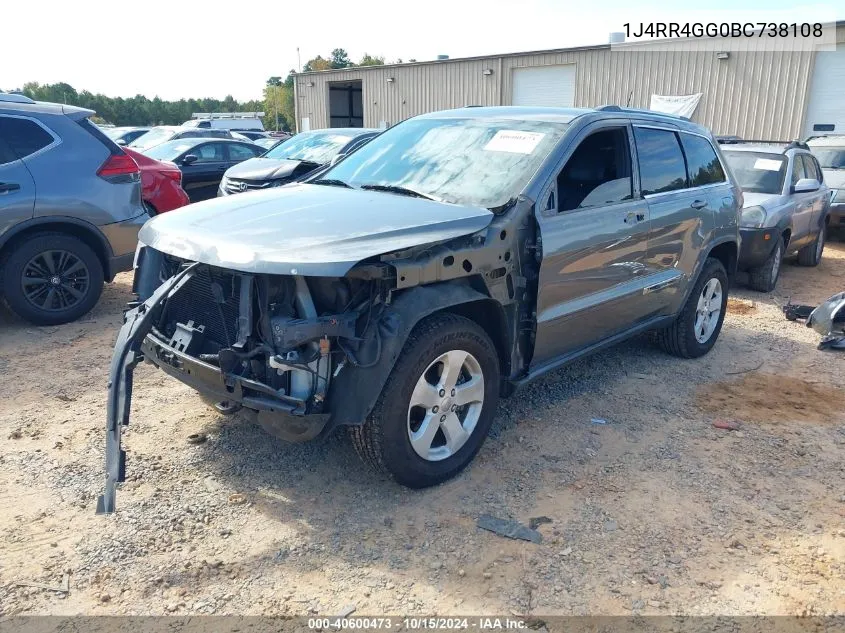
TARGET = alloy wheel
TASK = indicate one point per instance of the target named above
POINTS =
(708, 310)
(55, 280)
(445, 405)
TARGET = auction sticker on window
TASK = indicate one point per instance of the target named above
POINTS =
(514, 141)
(768, 164)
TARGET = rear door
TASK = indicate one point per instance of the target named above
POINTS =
(680, 215)
(822, 198)
(594, 229)
(201, 178)
(17, 187)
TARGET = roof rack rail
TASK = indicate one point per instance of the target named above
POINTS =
(12, 97)
(735, 140)
(226, 115)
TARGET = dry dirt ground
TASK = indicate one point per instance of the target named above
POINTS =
(655, 511)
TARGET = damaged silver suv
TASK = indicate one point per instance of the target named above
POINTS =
(402, 291)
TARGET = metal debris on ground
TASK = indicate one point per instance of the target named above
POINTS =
(598, 421)
(728, 425)
(196, 438)
(508, 528)
(63, 588)
(535, 522)
(828, 319)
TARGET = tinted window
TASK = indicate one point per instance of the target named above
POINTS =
(209, 153)
(662, 165)
(241, 152)
(23, 136)
(810, 167)
(6, 154)
(757, 172)
(703, 166)
(598, 173)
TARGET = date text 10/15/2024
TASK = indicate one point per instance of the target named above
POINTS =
(418, 623)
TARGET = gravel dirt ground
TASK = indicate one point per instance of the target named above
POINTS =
(656, 511)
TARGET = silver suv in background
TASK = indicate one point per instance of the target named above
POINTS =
(785, 206)
(70, 209)
(830, 152)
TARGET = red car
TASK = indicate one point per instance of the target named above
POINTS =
(161, 184)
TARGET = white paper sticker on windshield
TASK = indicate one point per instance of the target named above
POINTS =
(768, 164)
(514, 141)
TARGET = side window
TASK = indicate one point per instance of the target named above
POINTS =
(241, 152)
(23, 136)
(818, 168)
(598, 173)
(6, 154)
(703, 166)
(797, 169)
(810, 167)
(662, 165)
(209, 153)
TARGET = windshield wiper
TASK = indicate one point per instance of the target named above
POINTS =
(403, 191)
(331, 182)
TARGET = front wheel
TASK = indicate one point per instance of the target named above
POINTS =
(437, 406)
(811, 255)
(764, 278)
(696, 328)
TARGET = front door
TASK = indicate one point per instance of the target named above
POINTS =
(594, 228)
(201, 178)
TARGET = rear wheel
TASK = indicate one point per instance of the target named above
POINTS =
(436, 408)
(696, 328)
(811, 254)
(51, 278)
(764, 278)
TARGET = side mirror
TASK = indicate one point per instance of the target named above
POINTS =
(190, 158)
(336, 159)
(806, 185)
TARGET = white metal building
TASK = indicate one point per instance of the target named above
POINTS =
(752, 92)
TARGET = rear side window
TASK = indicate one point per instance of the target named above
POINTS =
(703, 166)
(242, 152)
(6, 154)
(23, 136)
(662, 166)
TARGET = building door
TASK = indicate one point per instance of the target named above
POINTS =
(825, 111)
(346, 104)
(544, 86)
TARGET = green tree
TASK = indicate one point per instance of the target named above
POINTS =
(318, 63)
(340, 59)
(368, 60)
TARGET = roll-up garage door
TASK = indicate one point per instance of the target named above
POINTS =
(544, 86)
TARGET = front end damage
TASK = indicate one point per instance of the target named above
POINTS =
(306, 354)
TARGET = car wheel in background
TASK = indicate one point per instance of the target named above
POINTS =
(52, 278)
(764, 278)
(437, 406)
(696, 328)
(811, 254)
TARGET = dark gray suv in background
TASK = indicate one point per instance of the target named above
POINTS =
(70, 209)
(451, 259)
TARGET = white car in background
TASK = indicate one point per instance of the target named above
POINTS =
(830, 152)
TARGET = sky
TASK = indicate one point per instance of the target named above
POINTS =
(179, 49)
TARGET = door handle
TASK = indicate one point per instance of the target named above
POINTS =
(7, 187)
(699, 204)
(633, 218)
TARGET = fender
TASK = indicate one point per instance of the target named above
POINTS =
(87, 227)
(354, 391)
(702, 257)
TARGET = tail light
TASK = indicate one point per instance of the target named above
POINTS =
(120, 168)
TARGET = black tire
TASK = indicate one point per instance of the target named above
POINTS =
(69, 301)
(764, 278)
(679, 339)
(811, 254)
(383, 441)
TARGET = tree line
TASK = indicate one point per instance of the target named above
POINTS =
(277, 104)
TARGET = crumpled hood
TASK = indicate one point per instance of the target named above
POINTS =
(306, 229)
(265, 168)
(757, 199)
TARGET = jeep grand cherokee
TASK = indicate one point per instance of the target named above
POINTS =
(453, 258)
